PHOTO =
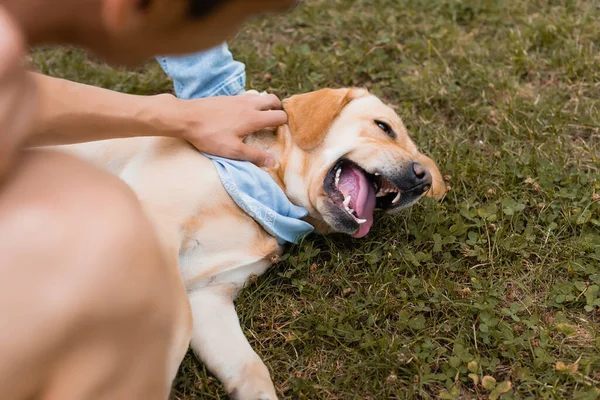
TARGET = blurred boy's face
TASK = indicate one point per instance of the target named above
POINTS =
(139, 29)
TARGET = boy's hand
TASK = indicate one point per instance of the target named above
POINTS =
(223, 122)
(18, 98)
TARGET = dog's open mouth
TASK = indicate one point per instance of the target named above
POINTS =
(358, 193)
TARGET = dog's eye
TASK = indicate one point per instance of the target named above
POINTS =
(386, 128)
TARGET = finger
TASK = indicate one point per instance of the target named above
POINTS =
(255, 155)
(267, 119)
(268, 102)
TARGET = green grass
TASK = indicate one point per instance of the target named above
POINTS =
(504, 272)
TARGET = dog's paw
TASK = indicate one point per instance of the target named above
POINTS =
(235, 395)
(254, 383)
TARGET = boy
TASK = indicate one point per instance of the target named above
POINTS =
(79, 261)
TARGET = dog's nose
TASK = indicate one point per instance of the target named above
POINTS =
(421, 177)
(419, 171)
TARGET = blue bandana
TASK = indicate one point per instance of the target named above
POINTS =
(255, 192)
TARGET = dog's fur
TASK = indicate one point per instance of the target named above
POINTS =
(219, 247)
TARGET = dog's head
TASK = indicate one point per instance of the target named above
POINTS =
(346, 155)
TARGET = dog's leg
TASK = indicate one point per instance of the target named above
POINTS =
(218, 340)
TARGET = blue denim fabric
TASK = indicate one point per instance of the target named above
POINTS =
(211, 73)
(255, 192)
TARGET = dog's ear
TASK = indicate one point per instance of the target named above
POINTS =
(310, 115)
(438, 186)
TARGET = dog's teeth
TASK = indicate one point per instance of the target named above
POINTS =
(337, 176)
(347, 201)
(397, 198)
(377, 174)
(361, 221)
(380, 193)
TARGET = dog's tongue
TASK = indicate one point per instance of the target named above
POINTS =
(354, 183)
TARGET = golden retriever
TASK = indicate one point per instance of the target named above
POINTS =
(342, 155)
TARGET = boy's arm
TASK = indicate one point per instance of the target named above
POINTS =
(71, 112)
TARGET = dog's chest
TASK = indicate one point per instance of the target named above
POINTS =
(218, 241)
(230, 248)
(182, 193)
